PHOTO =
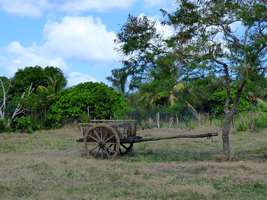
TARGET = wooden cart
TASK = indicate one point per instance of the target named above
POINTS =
(107, 138)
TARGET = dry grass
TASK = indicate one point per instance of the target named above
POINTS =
(48, 165)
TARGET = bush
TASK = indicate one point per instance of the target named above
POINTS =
(3, 126)
(218, 98)
(74, 104)
(24, 124)
(255, 119)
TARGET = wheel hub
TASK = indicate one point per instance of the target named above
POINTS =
(101, 144)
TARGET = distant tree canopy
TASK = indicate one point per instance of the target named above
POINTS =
(36, 98)
(29, 94)
(221, 41)
(49, 77)
(87, 101)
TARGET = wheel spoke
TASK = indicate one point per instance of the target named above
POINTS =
(96, 134)
(109, 149)
(108, 139)
(93, 149)
(106, 152)
(111, 143)
(102, 154)
(104, 142)
(100, 133)
(97, 154)
(95, 139)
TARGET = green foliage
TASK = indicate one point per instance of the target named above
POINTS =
(255, 119)
(37, 76)
(45, 84)
(218, 98)
(136, 39)
(25, 124)
(4, 127)
(207, 67)
(73, 104)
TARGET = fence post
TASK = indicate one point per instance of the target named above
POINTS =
(158, 119)
(88, 111)
(171, 122)
(177, 121)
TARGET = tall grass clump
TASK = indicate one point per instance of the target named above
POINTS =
(254, 119)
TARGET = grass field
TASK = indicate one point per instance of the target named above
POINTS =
(48, 165)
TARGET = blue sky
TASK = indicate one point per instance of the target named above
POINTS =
(75, 35)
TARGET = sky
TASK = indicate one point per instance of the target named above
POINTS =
(75, 35)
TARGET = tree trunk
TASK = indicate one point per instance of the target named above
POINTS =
(226, 129)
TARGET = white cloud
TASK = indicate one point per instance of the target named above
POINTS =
(35, 8)
(77, 77)
(165, 4)
(164, 30)
(155, 2)
(25, 7)
(99, 5)
(80, 38)
(74, 38)
(15, 56)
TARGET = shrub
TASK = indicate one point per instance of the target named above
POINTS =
(217, 101)
(74, 104)
(255, 119)
(24, 124)
(3, 125)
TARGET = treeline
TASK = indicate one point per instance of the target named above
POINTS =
(37, 98)
(214, 62)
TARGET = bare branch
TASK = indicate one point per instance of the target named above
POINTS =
(227, 83)
(238, 96)
(19, 109)
(3, 106)
(246, 35)
(227, 32)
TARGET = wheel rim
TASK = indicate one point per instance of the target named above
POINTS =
(101, 141)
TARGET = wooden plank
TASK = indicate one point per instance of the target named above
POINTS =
(204, 135)
(138, 139)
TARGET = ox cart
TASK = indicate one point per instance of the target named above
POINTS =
(108, 138)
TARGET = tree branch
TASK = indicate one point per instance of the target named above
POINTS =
(228, 84)
(238, 96)
(3, 106)
(19, 110)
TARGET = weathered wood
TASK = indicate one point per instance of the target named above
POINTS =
(139, 139)
(110, 137)
(101, 141)
(124, 128)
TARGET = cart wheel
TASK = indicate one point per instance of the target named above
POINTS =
(125, 148)
(101, 141)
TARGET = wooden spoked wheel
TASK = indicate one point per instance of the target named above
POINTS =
(101, 141)
(125, 148)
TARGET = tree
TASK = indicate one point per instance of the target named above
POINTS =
(49, 77)
(8, 115)
(118, 79)
(228, 38)
(32, 91)
(54, 79)
(141, 45)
